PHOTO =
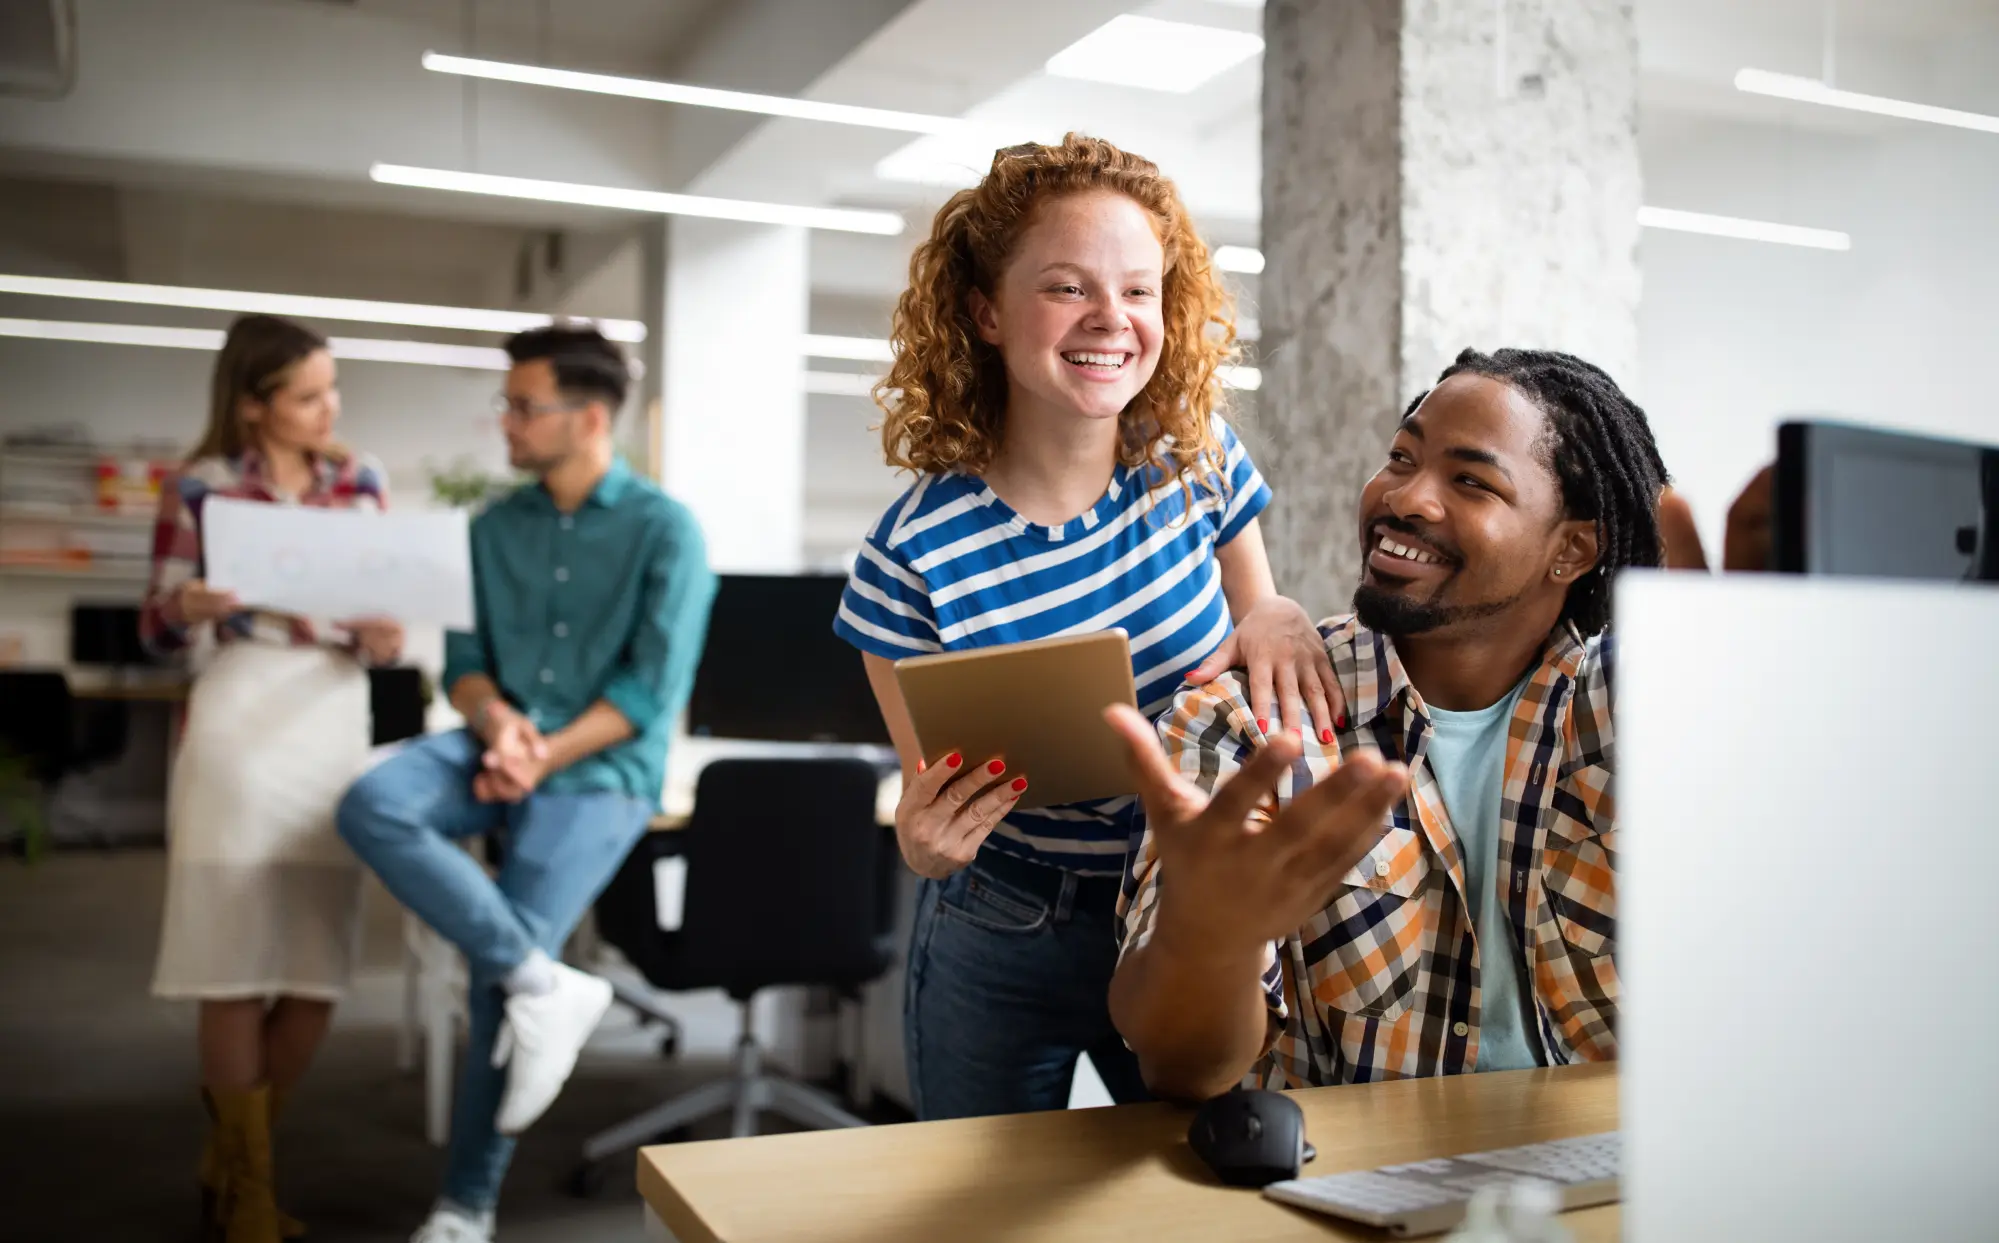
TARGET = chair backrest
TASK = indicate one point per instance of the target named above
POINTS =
(790, 881)
(395, 702)
(35, 721)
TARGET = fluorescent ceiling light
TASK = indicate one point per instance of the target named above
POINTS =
(698, 96)
(370, 349)
(1154, 55)
(841, 383)
(936, 162)
(114, 334)
(1737, 227)
(861, 349)
(303, 306)
(838, 218)
(1813, 91)
(861, 384)
(1250, 260)
(1245, 259)
(428, 353)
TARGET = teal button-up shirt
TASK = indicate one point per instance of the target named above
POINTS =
(608, 603)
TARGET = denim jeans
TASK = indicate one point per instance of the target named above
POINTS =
(1009, 980)
(562, 850)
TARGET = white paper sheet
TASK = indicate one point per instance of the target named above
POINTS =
(414, 566)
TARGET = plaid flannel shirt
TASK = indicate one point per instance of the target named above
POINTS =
(338, 483)
(1384, 982)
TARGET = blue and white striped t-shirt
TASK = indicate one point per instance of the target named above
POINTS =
(951, 566)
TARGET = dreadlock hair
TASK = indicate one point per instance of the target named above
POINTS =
(1600, 447)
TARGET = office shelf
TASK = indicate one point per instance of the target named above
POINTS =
(86, 573)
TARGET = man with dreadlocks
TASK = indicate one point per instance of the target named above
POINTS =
(1432, 892)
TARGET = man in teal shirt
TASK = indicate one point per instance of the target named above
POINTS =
(592, 591)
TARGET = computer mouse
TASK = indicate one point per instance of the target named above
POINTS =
(1251, 1137)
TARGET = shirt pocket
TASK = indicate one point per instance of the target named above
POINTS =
(1365, 949)
(1578, 871)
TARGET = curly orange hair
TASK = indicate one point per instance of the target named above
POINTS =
(945, 395)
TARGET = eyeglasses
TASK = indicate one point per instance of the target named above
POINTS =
(528, 411)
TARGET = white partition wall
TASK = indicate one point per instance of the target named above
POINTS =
(732, 387)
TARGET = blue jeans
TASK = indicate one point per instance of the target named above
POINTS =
(1009, 981)
(562, 850)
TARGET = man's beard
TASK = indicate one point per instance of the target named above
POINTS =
(1396, 615)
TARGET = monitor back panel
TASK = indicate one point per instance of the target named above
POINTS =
(1808, 933)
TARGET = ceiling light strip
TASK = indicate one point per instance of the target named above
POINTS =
(862, 384)
(845, 220)
(367, 349)
(1813, 91)
(860, 349)
(697, 96)
(1739, 227)
(303, 306)
(1244, 259)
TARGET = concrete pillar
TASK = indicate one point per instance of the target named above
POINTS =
(1435, 176)
(725, 307)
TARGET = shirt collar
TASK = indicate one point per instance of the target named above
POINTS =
(612, 487)
(254, 472)
(608, 492)
(1379, 680)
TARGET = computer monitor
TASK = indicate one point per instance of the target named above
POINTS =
(1806, 935)
(106, 635)
(1865, 501)
(774, 670)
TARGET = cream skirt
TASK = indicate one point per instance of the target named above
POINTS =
(262, 896)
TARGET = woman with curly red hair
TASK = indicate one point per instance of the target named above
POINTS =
(1055, 390)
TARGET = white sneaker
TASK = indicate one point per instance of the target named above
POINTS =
(539, 1040)
(454, 1224)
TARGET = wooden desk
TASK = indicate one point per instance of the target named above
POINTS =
(1118, 1173)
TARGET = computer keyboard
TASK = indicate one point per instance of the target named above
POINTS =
(1416, 1198)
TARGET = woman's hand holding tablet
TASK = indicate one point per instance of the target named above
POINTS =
(948, 809)
(1012, 707)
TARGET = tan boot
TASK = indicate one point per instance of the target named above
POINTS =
(247, 1209)
(214, 1174)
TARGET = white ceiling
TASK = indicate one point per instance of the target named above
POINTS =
(632, 36)
(970, 58)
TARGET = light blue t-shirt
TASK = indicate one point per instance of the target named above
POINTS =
(1467, 756)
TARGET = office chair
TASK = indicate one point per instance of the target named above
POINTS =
(790, 881)
(51, 733)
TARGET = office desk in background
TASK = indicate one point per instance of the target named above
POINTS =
(1115, 1173)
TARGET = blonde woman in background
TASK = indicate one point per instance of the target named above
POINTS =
(263, 899)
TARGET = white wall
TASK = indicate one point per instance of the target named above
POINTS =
(1736, 336)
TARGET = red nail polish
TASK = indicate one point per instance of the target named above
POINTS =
(953, 760)
(1342, 722)
(920, 766)
(1263, 725)
(996, 768)
(1325, 736)
(1020, 783)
